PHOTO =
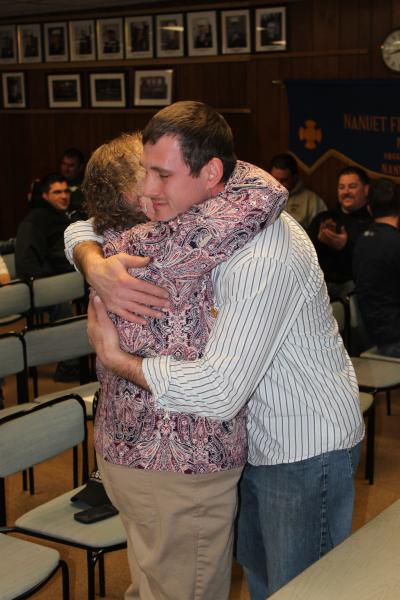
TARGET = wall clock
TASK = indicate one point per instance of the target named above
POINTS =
(391, 50)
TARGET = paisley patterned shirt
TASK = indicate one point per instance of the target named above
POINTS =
(129, 430)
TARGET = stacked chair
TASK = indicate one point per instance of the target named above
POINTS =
(48, 429)
(374, 375)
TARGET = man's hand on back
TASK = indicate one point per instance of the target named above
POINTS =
(129, 297)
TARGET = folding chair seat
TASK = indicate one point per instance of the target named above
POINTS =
(47, 430)
(373, 353)
(26, 567)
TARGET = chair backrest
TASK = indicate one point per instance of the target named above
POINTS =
(9, 259)
(12, 354)
(341, 313)
(15, 299)
(48, 291)
(13, 362)
(31, 437)
(359, 339)
(58, 341)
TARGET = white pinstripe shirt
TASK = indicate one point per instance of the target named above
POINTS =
(276, 345)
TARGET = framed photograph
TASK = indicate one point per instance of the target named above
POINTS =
(110, 43)
(64, 91)
(169, 35)
(13, 90)
(235, 27)
(270, 29)
(107, 90)
(153, 88)
(55, 42)
(29, 43)
(82, 40)
(138, 37)
(8, 44)
(202, 33)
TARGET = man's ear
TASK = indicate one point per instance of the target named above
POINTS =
(214, 171)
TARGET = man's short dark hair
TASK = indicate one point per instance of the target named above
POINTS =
(362, 175)
(48, 181)
(74, 153)
(203, 134)
(384, 198)
(284, 161)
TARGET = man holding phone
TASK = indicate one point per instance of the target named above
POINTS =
(334, 232)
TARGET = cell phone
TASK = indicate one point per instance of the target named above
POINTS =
(96, 513)
(338, 228)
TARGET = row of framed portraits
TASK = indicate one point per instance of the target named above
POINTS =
(141, 36)
(107, 90)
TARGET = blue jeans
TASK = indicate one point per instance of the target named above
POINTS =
(292, 514)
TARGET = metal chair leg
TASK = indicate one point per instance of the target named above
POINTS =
(388, 403)
(91, 562)
(370, 458)
(65, 580)
(75, 467)
(31, 481)
(102, 578)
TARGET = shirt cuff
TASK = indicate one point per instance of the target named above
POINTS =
(80, 231)
(157, 372)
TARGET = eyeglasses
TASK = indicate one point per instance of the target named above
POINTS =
(58, 192)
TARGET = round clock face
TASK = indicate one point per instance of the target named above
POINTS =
(391, 50)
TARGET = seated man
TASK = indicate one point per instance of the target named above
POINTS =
(334, 232)
(7, 246)
(376, 266)
(303, 204)
(72, 168)
(39, 249)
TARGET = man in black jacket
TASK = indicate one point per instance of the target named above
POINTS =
(376, 265)
(39, 248)
(334, 232)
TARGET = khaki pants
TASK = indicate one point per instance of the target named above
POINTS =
(179, 529)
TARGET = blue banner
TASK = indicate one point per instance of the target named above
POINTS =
(355, 120)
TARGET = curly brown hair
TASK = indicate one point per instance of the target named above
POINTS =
(112, 170)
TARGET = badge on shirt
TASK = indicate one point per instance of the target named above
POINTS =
(214, 312)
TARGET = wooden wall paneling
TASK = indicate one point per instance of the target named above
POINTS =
(381, 25)
(326, 24)
(243, 135)
(364, 36)
(300, 30)
(325, 67)
(233, 85)
(189, 82)
(395, 14)
(266, 117)
(348, 17)
(15, 154)
(36, 88)
(213, 82)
